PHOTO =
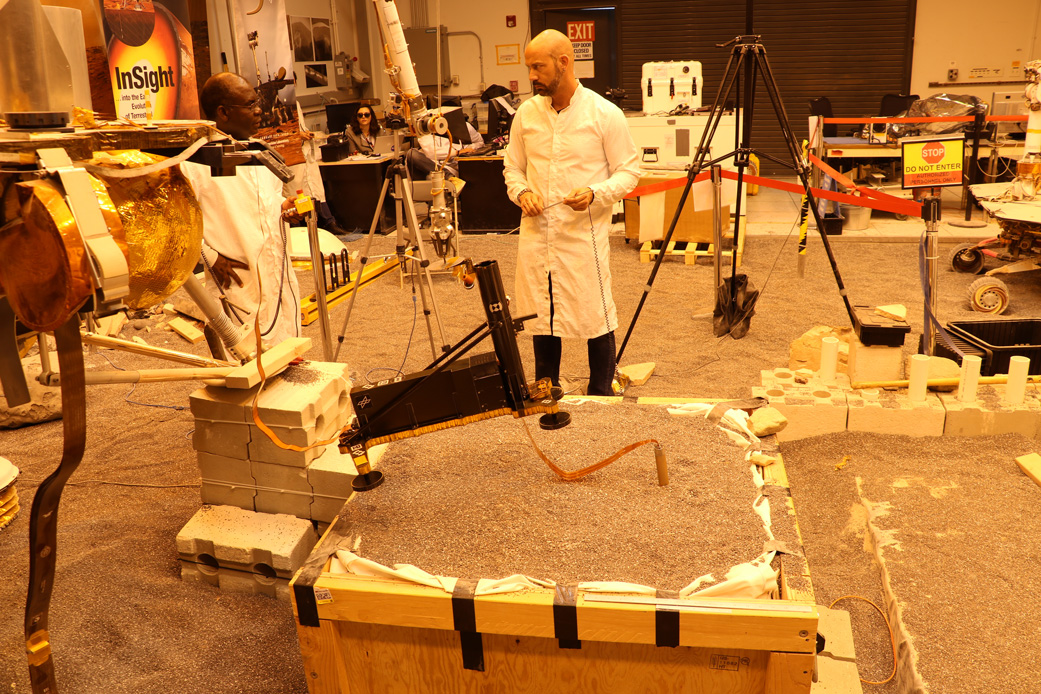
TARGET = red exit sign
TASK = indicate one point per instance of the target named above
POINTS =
(581, 31)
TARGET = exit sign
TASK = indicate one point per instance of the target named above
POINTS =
(581, 31)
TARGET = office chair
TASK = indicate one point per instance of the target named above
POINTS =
(821, 106)
(895, 104)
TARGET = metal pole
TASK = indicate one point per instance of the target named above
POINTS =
(931, 212)
(717, 224)
(319, 285)
(424, 264)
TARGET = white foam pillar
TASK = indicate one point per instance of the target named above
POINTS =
(1033, 139)
(970, 377)
(829, 358)
(919, 377)
(1016, 389)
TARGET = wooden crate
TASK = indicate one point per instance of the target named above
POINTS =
(372, 635)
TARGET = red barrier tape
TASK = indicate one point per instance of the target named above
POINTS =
(924, 119)
(869, 198)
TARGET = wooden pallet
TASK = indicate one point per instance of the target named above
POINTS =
(690, 251)
(687, 250)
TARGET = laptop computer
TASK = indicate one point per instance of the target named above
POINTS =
(384, 145)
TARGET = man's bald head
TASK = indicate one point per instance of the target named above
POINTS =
(230, 101)
(550, 58)
(553, 44)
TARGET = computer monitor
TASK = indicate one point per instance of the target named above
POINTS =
(456, 125)
(1009, 104)
(500, 118)
(339, 116)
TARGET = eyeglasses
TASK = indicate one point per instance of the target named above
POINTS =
(249, 105)
(364, 115)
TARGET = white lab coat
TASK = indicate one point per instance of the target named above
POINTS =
(550, 153)
(241, 221)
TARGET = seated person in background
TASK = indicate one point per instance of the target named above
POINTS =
(243, 243)
(432, 150)
(362, 131)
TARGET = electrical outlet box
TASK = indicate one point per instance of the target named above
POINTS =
(511, 20)
(952, 75)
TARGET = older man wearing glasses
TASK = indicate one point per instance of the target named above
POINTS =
(244, 240)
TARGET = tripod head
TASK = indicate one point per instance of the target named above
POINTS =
(745, 40)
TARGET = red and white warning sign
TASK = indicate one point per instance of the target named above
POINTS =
(582, 34)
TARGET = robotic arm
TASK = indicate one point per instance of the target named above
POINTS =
(453, 390)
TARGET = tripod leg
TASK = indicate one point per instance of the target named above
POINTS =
(426, 308)
(726, 87)
(707, 135)
(800, 170)
(410, 212)
(364, 259)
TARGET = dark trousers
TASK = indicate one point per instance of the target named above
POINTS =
(601, 351)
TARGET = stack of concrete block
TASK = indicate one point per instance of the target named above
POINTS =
(240, 464)
(893, 412)
(244, 552)
(991, 413)
(811, 408)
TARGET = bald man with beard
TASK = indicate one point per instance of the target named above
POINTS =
(571, 146)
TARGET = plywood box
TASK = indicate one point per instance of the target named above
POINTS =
(363, 634)
(367, 634)
(692, 226)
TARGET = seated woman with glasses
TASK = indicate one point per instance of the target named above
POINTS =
(362, 131)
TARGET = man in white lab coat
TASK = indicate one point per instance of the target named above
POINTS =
(244, 243)
(570, 158)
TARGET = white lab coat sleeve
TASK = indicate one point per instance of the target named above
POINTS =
(515, 162)
(475, 136)
(622, 160)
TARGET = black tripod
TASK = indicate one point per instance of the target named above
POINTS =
(747, 56)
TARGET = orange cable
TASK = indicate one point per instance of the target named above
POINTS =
(892, 639)
(263, 379)
(570, 476)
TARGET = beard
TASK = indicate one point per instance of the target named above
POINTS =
(544, 89)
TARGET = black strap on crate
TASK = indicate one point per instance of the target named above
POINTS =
(307, 576)
(565, 616)
(465, 622)
(666, 621)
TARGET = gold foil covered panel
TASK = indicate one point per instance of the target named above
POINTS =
(45, 271)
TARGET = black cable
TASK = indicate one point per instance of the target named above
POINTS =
(415, 313)
(599, 275)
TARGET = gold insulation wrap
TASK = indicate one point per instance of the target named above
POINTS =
(46, 271)
(162, 225)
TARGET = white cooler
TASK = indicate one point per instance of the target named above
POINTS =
(666, 85)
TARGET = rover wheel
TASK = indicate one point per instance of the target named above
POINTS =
(988, 295)
(967, 258)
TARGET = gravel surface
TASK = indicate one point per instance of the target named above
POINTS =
(960, 526)
(121, 619)
(476, 501)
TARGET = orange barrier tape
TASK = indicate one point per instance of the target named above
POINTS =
(869, 198)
